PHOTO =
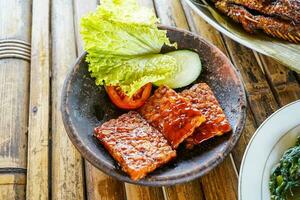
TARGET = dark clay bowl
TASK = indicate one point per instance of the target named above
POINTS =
(85, 106)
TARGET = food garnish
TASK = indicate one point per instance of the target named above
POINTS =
(123, 101)
(286, 175)
(216, 124)
(138, 147)
(172, 115)
(123, 44)
(190, 68)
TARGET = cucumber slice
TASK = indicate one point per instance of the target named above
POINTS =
(190, 64)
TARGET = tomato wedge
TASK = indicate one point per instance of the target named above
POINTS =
(121, 100)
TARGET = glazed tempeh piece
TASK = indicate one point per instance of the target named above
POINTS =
(138, 147)
(203, 99)
(172, 115)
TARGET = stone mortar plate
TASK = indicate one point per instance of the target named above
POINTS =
(85, 106)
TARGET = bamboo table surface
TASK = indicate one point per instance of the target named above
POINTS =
(39, 42)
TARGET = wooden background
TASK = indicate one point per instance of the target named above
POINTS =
(39, 42)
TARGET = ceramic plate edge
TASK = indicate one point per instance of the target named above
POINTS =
(253, 137)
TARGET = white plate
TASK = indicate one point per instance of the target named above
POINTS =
(272, 138)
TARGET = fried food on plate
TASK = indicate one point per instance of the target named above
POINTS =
(203, 99)
(138, 147)
(171, 114)
(279, 18)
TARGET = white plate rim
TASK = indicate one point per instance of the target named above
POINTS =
(253, 138)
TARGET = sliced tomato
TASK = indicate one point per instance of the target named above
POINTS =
(121, 100)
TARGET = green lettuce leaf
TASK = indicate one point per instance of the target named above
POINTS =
(123, 45)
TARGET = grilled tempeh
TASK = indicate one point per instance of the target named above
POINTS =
(171, 114)
(203, 99)
(138, 147)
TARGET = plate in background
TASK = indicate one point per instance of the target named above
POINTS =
(284, 52)
(278, 133)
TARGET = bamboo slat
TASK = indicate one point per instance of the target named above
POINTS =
(201, 27)
(221, 183)
(134, 192)
(12, 186)
(171, 13)
(38, 130)
(282, 81)
(81, 8)
(260, 97)
(14, 77)
(67, 166)
(191, 190)
(15, 19)
(98, 185)
(239, 149)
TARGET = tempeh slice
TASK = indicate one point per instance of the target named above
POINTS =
(134, 144)
(203, 99)
(171, 114)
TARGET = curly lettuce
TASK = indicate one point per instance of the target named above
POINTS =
(123, 44)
